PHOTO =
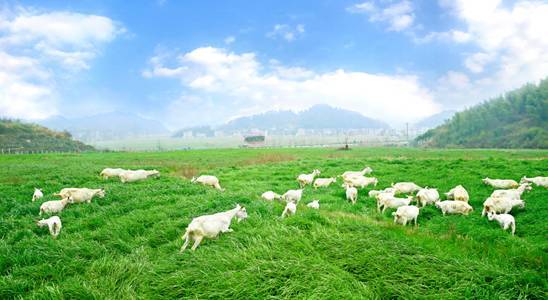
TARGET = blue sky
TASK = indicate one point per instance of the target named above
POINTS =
(198, 62)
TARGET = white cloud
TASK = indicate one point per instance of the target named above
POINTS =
(242, 85)
(35, 47)
(399, 16)
(229, 39)
(287, 32)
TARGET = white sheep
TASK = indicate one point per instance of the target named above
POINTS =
(514, 194)
(314, 204)
(351, 194)
(458, 193)
(361, 181)
(454, 207)
(290, 209)
(323, 182)
(374, 193)
(85, 195)
(427, 196)
(37, 194)
(137, 175)
(393, 202)
(208, 180)
(305, 179)
(505, 220)
(54, 206)
(500, 183)
(500, 205)
(54, 225)
(65, 192)
(405, 187)
(293, 195)
(539, 180)
(270, 196)
(209, 226)
(406, 213)
(110, 172)
(348, 174)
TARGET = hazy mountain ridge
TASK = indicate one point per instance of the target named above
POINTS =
(435, 119)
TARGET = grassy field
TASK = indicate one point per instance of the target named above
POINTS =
(127, 245)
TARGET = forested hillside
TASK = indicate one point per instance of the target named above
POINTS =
(519, 119)
(19, 136)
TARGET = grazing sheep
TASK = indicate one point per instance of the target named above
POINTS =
(54, 206)
(514, 194)
(270, 196)
(454, 207)
(351, 194)
(500, 183)
(539, 180)
(65, 192)
(361, 181)
(393, 202)
(348, 174)
(374, 193)
(293, 195)
(37, 194)
(54, 225)
(324, 182)
(305, 179)
(85, 195)
(458, 193)
(500, 205)
(290, 209)
(137, 175)
(110, 172)
(208, 180)
(209, 226)
(405, 187)
(427, 196)
(505, 220)
(406, 213)
(314, 204)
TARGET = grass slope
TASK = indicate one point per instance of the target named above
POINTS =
(126, 245)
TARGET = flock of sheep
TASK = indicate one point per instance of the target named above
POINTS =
(497, 206)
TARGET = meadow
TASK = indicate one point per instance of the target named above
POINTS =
(126, 245)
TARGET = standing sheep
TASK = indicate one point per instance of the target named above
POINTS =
(208, 180)
(270, 196)
(85, 195)
(348, 174)
(293, 195)
(132, 176)
(351, 194)
(361, 181)
(514, 194)
(500, 205)
(427, 196)
(37, 194)
(406, 213)
(505, 220)
(54, 206)
(305, 179)
(405, 187)
(454, 207)
(500, 183)
(314, 204)
(323, 182)
(110, 172)
(290, 209)
(539, 181)
(458, 193)
(54, 225)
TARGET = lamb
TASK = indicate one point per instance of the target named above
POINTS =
(54, 225)
(458, 193)
(293, 195)
(514, 194)
(539, 181)
(405, 187)
(505, 220)
(348, 174)
(351, 194)
(374, 193)
(314, 204)
(54, 206)
(209, 226)
(454, 207)
(85, 195)
(361, 181)
(208, 180)
(290, 209)
(110, 172)
(137, 175)
(270, 196)
(500, 183)
(324, 182)
(393, 202)
(500, 205)
(305, 179)
(37, 194)
(406, 213)
(427, 196)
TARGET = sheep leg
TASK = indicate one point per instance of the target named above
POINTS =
(416, 221)
(197, 242)
(383, 209)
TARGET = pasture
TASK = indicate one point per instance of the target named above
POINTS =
(126, 245)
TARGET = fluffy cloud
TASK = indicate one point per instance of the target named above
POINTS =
(35, 47)
(229, 39)
(286, 32)
(399, 16)
(240, 84)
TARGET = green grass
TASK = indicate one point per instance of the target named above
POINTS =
(126, 245)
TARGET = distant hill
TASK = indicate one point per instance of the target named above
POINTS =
(106, 126)
(19, 136)
(435, 120)
(519, 119)
(316, 117)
